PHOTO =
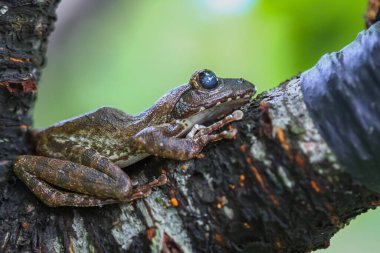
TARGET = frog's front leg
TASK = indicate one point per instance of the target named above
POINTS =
(88, 179)
(163, 141)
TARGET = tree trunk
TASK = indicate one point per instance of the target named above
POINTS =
(278, 187)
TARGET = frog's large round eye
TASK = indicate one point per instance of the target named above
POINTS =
(207, 79)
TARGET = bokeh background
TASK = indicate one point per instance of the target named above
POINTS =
(126, 54)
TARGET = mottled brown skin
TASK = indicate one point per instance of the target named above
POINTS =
(79, 161)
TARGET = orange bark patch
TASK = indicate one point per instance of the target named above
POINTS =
(243, 148)
(258, 176)
(375, 203)
(263, 185)
(169, 245)
(29, 86)
(19, 86)
(232, 186)
(248, 160)
(24, 127)
(299, 160)
(15, 59)
(150, 232)
(263, 104)
(281, 137)
(277, 243)
(246, 225)
(315, 186)
(71, 247)
(274, 200)
(25, 225)
(174, 202)
(265, 120)
(219, 238)
(241, 180)
(328, 206)
(335, 220)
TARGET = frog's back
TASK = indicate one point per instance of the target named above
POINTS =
(100, 119)
(98, 129)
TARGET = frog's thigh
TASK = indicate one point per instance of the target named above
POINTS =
(91, 158)
(40, 173)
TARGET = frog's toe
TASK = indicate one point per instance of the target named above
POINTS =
(228, 134)
(237, 115)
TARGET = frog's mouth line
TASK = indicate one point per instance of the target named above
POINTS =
(218, 110)
(228, 102)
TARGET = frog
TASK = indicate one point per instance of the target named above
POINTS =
(81, 161)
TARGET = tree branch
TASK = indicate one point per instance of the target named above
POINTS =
(277, 187)
(24, 27)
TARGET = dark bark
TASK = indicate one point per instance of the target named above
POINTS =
(24, 28)
(276, 188)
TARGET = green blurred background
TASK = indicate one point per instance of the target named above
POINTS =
(126, 54)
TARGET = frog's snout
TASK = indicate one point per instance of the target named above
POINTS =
(250, 87)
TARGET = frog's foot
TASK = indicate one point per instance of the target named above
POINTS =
(199, 130)
(206, 138)
(145, 190)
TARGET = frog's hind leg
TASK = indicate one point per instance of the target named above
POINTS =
(47, 193)
(124, 192)
(86, 186)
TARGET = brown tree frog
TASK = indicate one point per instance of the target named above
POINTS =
(78, 161)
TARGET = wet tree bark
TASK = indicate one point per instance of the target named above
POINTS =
(277, 187)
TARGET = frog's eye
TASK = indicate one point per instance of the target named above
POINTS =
(207, 79)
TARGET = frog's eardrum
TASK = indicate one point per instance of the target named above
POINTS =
(342, 94)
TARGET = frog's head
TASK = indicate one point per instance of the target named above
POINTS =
(210, 97)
